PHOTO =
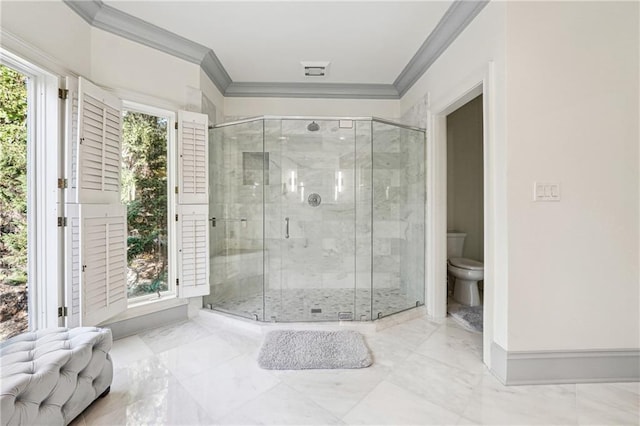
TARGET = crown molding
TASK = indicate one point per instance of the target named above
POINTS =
(312, 90)
(214, 69)
(452, 23)
(87, 10)
(110, 19)
(124, 25)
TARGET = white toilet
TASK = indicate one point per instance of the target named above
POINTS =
(463, 273)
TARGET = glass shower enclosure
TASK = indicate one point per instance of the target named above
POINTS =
(316, 219)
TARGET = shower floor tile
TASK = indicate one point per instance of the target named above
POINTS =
(288, 305)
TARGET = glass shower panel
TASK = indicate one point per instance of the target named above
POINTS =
(398, 219)
(238, 176)
(364, 184)
(310, 219)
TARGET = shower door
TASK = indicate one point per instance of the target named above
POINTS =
(236, 168)
(310, 220)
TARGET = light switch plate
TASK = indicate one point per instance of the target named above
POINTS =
(546, 191)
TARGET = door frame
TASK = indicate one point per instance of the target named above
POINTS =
(480, 82)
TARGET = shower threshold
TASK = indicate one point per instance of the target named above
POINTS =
(216, 317)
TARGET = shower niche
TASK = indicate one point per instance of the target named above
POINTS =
(316, 223)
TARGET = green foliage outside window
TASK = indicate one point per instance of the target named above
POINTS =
(144, 191)
(13, 202)
(13, 176)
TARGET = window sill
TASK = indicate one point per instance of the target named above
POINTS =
(149, 306)
(150, 298)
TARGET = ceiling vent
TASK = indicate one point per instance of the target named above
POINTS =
(315, 70)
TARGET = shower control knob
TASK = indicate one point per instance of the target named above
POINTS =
(314, 200)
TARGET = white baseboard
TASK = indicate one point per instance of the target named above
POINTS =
(577, 366)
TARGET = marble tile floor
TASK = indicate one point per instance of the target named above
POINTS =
(204, 372)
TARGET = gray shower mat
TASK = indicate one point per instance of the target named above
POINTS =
(306, 349)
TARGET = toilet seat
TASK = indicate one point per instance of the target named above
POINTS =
(470, 264)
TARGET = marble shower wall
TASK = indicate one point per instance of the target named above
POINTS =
(416, 116)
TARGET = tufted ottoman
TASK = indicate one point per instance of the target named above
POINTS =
(49, 376)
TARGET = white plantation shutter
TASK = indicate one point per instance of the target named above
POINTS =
(193, 147)
(96, 272)
(94, 130)
(96, 229)
(193, 205)
(193, 250)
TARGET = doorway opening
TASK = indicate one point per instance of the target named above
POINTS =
(465, 215)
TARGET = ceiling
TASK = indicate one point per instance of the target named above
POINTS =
(365, 42)
(375, 49)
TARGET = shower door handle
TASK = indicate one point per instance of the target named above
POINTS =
(286, 229)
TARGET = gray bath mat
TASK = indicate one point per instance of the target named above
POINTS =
(300, 350)
(469, 317)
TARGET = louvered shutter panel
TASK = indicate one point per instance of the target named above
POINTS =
(193, 250)
(96, 232)
(193, 147)
(94, 119)
(193, 205)
(97, 276)
(73, 265)
(72, 138)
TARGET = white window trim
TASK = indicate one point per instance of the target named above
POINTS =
(145, 308)
(172, 171)
(43, 161)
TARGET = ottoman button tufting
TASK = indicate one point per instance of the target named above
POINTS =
(42, 382)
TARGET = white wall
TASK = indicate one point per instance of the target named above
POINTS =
(51, 27)
(251, 107)
(119, 63)
(572, 80)
(213, 94)
(459, 69)
(567, 273)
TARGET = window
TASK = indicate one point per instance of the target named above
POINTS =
(29, 200)
(13, 203)
(144, 181)
(106, 175)
(74, 256)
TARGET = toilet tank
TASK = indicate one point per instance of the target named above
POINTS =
(455, 244)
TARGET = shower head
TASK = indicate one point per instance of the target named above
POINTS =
(313, 127)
